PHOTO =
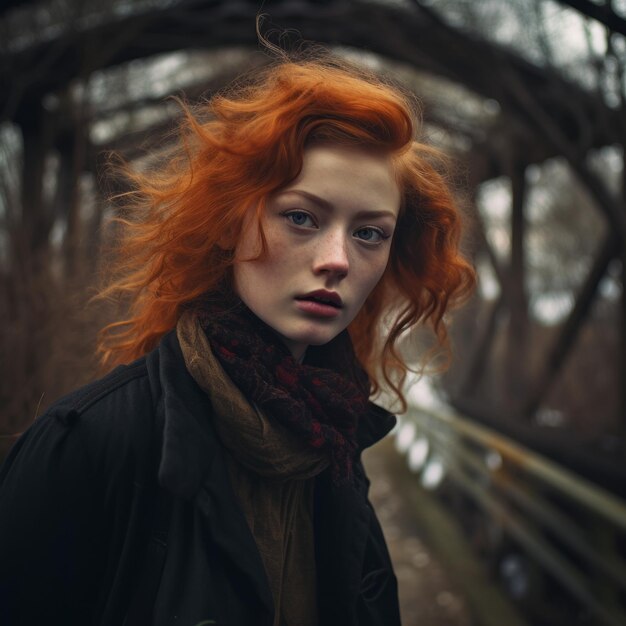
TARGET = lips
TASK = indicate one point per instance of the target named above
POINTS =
(329, 298)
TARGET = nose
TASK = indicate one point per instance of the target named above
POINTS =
(332, 255)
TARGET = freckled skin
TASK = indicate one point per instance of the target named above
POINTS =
(329, 229)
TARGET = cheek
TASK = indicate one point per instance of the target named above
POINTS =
(250, 246)
(250, 276)
(371, 275)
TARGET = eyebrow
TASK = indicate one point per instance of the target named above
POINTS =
(327, 206)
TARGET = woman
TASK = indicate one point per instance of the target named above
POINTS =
(214, 476)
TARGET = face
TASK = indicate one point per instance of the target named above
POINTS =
(328, 235)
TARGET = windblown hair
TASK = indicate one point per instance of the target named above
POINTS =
(183, 219)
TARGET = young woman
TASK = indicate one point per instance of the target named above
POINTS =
(214, 476)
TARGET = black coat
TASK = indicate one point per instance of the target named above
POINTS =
(116, 507)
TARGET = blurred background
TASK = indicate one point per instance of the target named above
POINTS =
(502, 490)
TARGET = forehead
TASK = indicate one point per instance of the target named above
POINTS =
(347, 177)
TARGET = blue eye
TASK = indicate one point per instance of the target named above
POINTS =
(300, 218)
(370, 234)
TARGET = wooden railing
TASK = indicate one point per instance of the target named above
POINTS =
(570, 531)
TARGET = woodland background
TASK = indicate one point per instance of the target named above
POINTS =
(527, 96)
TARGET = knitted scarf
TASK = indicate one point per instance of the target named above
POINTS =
(319, 404)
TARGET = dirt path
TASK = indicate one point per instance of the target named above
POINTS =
(427, 595)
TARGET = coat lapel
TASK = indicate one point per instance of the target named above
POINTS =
(374, 426)
(193, 467)
(342, 528)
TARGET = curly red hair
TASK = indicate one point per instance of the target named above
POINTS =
(246, 143)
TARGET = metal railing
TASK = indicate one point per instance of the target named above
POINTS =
(568, 527)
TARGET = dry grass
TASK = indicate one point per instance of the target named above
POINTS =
(47, 340)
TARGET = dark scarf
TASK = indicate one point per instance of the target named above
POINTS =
(319, 400)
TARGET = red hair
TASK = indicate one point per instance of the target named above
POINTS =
(247, 142)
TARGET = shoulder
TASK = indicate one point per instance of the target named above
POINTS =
(110, 424)
(69, 487)
(374, 425)
(123, 381)
(96, 430)
(110, 406)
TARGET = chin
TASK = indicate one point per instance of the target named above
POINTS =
(315, 338)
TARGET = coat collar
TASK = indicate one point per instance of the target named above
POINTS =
(374, 425)
(190, 444)
(193, 467)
